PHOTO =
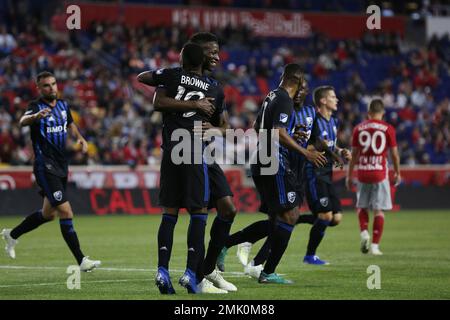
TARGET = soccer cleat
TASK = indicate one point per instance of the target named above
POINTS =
(314, 260)
(272, 278)
(189, 281)
(375, 250)
(253, 271)
(365, 241)
(218, 281)
(243, 251)
(163, 282)
(220, 263)
(87, 265)
(10, 243)
(207, 287)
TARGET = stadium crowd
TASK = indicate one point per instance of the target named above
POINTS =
(96, 71)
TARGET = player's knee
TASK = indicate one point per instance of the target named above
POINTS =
(379, 213)
(328, 216)
(49, 216)
(226, 209)
(290, 217)
(337, 218)
(65, 213)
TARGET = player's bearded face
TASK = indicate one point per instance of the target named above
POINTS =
(48, 88)
(302, 92)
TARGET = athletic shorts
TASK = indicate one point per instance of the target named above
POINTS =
(52, 187)
(183, 185)
(374, 196)
(218, 185)
(278, 193)
(321, 196)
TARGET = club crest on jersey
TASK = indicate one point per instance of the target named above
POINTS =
(291, 196)
(283, 117)
(324, 201)
(57, 195)
(334, 130)
(64, 114)
(309, 121)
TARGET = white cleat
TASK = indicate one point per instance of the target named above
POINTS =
(253, 271)
(207, 287)
(375, 250)
(10, 243)
(218, 281)
(243, 252)
(88, 265)
(365, 241)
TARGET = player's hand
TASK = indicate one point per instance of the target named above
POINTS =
(348, 183)
(397, 179)
(317, 158)
(84, 145)
(205, 106)
(339, 163)
(43, 114)
(346, 154)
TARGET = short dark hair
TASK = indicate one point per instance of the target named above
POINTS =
(292, 71)
(43, 75)
(321, 92)
(203, 37)
(193, 55)
(376, 106)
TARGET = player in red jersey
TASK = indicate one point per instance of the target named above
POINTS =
(371, 141)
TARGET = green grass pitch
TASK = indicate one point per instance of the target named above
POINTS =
(415, 264)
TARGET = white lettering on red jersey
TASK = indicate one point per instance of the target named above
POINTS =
(373, 138)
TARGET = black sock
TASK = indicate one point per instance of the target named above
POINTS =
(252, 233)
(220, 231)
(278, 243)
(262, 254)
(306, 218)
(31, 222)
(165, 239)
(196, 240)
(71, 238)
(316, 235)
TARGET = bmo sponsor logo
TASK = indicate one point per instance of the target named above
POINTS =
(7, 182)
(116, 180)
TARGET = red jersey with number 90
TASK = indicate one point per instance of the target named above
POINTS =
(373, 138)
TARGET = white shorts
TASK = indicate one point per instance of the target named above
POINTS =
(374, 196)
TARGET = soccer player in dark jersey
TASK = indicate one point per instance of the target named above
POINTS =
(220, 195)
(279, 190)
(185, 185)
(303, 122)
(49, 119)
(320, 193)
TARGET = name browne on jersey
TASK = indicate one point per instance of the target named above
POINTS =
(194, 82)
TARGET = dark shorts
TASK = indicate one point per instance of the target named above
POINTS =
(52, 187)
(218, 185)
(278, 193)
(321, 196)
(183, 185)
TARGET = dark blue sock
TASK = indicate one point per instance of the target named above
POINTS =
(30, 223)
(71, 238)
(196, 240)
(254, 232)
(279, 241)
(262, 254)
(219, 233)
(316, 235)
(165, 239)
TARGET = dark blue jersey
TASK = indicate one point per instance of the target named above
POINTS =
(325, 130)
(49, 137)
(184, 85)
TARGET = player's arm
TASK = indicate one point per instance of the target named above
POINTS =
(31, 116)
(351, 167)
(76, 133)
(321, 145)
(344, 153)
(147, 78)
(396, 161)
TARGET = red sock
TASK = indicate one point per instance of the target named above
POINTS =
(363, 217)
(378, 223)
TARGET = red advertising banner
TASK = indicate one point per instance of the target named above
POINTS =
(262, 22)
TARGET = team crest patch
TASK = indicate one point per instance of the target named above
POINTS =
(309, 121)
(324, 201)
(291, 196)
(64, 114)
(283, 117)
(57, 195)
